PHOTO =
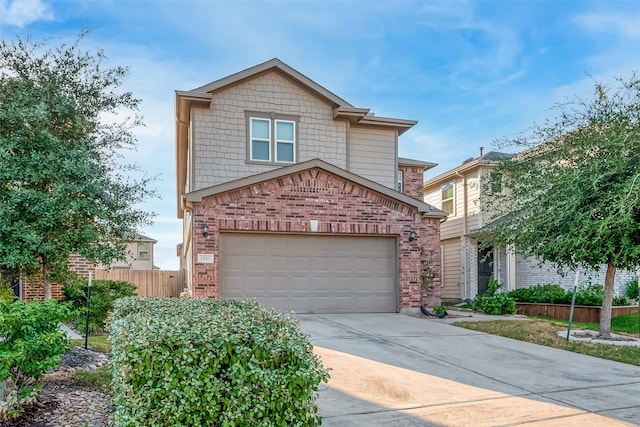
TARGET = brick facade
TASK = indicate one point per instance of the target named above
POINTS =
(33, 289)
(285, 205)
(412, 181)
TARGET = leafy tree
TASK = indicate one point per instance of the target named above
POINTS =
(63, 189)
(572, 196)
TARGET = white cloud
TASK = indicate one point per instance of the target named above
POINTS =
(20, 13)
(622, 24)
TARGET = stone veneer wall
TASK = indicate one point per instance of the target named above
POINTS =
(287, 203)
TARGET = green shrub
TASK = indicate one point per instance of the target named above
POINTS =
(621, 301)
(498, 304)
(190, 362)
(521, 295)
(103, 294)
(6, 294)
(31, 343)
(440, 309)
(495, 302)
(590, 294)
(631, 290)
(548, 293)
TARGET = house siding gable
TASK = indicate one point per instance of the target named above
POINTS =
(220, 135)
(372, 154)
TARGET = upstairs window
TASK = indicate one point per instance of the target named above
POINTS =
(143, 251)
(260, 139)
(448, 204)
(399, 179)
(272, 138)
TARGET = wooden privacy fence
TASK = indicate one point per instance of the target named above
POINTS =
(150, 283)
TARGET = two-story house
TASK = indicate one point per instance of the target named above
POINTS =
(290, 195)
(466, 267)
(139, 255)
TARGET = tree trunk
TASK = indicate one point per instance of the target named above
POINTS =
(46, 283)
(607, 300)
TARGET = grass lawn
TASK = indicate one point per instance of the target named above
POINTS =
(96, 342)
(101, 377)
(544, 332)
(627, 324)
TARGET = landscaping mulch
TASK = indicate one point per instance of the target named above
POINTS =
(65, 402)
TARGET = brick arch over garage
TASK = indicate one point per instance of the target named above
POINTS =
(286, 205)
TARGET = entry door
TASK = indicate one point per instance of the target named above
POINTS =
(485, 269)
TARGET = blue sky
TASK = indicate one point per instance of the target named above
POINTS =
(470, 72)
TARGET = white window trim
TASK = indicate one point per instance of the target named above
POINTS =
(284, 141)
(147, 251)
(273, 119)
(452, 198)
(252, 138)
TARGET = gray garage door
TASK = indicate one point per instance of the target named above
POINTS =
(310, 273)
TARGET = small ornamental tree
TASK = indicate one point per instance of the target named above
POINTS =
(62, 188)
(572, 196)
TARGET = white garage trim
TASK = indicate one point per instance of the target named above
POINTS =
(311, 273)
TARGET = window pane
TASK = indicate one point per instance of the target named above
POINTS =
(447, 206)
(259, 150)
(284, 131)
(447, 191)
(260, 128)
(143, 251)
(285, 152)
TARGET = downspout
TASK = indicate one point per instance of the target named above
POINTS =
(465, 274)
(187, 244)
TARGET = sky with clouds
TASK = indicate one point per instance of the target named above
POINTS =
(471, 72)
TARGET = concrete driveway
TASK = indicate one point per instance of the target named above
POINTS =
(395, 370)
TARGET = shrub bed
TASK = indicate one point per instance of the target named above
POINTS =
(495, 302)
(103, 294)
(31, 343)
(589, 295)
(189, 362)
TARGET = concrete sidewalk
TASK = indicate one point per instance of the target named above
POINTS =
(71, 334)
(396, 370)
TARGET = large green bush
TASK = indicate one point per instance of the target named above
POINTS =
(495, 302)
(185, 362)
(31, 343)
(103, 294)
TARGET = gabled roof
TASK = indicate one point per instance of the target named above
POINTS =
(142, 238)
(489, 158)
(274, 65)
(425, 209)
(203, 95)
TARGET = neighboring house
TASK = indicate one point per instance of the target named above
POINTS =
(140, 255)
(289, 194)
(466, 269)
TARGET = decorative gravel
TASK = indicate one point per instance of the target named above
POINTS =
(63, 402)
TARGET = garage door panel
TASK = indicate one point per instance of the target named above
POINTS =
(310, 273)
